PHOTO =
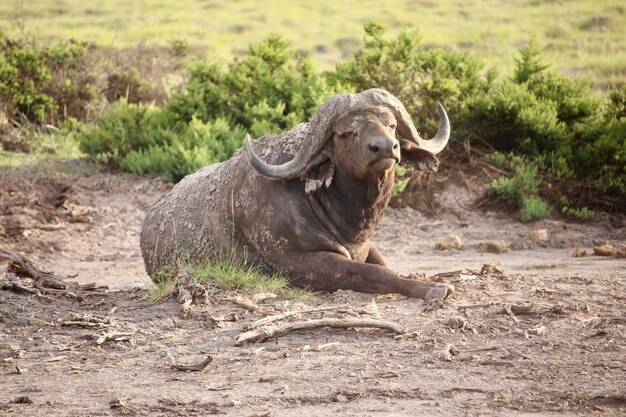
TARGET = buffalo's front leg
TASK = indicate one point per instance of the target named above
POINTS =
(374, 257)
(330, 271)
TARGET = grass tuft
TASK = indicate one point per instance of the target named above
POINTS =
(228, 274)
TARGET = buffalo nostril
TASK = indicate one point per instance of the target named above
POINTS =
(373, 148)
(396, 145)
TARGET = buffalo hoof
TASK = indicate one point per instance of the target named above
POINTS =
(439, 292)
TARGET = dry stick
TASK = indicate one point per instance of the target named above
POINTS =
(21, 263)
(22, 266)
(249, 305)
(197, 367)
(507, 310)
(266, 333)
(18, 287)
(271, 319)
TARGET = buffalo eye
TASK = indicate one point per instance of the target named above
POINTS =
(392, 127)
(347, 135)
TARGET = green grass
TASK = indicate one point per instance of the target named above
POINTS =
(228, 274)
(158, 290)
(232, 275)
(582, 37)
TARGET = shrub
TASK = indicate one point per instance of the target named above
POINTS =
(199, 144)
(556, 122)
(126, 128)
(44, 84)
(417, 75)
(577, 213)
(23, 71)
(132, 87)
(521, 189)
(533, 208)
(269, 90)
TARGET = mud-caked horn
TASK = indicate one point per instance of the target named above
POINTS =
(320, 129)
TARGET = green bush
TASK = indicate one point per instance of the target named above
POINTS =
(198, 145)
(270, 89)
(559, 124)
(43, 84)
(23, 71)
(521, 189)
(582, 213)
(417, 75)
(132, 87)
(126, 128)
(533, 208)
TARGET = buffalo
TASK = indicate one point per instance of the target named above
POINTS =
(303, 203)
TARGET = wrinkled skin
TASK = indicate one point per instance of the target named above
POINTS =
(319, 238)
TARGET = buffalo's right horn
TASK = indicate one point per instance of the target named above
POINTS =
(318, 132)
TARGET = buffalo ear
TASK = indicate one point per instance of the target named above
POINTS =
(416, 157)
(319, 171)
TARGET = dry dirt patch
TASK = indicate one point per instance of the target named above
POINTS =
(544, 336)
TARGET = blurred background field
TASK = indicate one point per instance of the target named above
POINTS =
(580, 37)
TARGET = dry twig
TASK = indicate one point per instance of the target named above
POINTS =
(114, 336)
(287, 314)
(266, 333)
(248, 304)
(194, 368)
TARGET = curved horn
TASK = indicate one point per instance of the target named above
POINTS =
(437, 143)
(318, 132)
(406, 128)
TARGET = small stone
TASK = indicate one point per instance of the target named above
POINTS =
(341, 398)
(493, 246)
(451, 241)
(537, 235)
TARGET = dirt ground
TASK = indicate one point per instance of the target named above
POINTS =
(546, 336)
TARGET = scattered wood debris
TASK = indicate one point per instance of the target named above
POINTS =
(191, 368)
(461, 276)
(114, 337)
(270, 319)
(85, 320)
(268, 332)
(537, 330)
(189, 291)
(579, 252)
(23, 276)
(528, 309)
(370, 309)
(23, 399)
(458, 322)
(251, 305)
(490, 268)
(447, 353)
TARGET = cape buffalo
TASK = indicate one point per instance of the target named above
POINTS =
(303, 203)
